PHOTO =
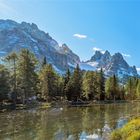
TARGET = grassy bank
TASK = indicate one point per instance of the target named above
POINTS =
(131, 131)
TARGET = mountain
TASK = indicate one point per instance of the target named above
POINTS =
(111, 64)
(15, 36)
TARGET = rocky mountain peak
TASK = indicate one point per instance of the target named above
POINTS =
(70, 55)
(112, 64)
(118, 59)
(107, 54)
(15, 36)
(97, 56)
(65, 48)
(118, 56)
(7, 24)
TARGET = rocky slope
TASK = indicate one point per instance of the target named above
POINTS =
(111, 64)
(15, 36)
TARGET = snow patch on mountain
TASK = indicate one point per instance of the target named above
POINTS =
(16, 36)
(111, 64)
(87, 67)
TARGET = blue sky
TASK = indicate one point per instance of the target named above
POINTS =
(84, 25)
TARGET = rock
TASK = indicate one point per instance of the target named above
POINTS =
(15, 36)
(111, 65)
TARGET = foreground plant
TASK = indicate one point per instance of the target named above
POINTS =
(131, 131)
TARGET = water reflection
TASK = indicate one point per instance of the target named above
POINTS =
(88, 123)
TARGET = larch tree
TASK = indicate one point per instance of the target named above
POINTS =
(12, 65)
(112, 88)
(88, 86)
(27, 77)
(48, 82)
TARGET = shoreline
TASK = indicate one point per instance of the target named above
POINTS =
(58, 104)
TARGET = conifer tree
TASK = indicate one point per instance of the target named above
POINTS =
(44, 62)
(108, 88)
(67, 77)
(48, 82)
(122, 92)
(101, 85)
(74, 86)
(4, 83)
(88, 85)
(138, 90)
(131, 88)
(60, 86)
(27, 77)
(112, 88)
(12, 63)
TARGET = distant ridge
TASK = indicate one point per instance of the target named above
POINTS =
(15, 36)
(111, 64)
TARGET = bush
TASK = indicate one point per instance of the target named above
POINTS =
(131, 131)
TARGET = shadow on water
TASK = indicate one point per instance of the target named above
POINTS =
(83, 123)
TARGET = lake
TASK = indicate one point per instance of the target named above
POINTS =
(69, 123)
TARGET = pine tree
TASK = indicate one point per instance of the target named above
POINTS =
(66, 82)
(88, 85)
(122, 92)
(44, 62)
(138, 90)
(60, 86)
(48, 82)
(74, 86)
(101, 85)
(131, 88)
(112, 88)
(12, 63)
(108, 88)
(135, 84)
(27, 77)
(4, 83)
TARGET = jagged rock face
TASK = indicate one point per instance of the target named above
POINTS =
(112, 64)
(71, 57)
(15, 36)
(97, 56)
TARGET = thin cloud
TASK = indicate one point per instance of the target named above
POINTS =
(126, 55)
(5, 8)
(98, 49)
(80, 36)
(138, 69)
(102, 52)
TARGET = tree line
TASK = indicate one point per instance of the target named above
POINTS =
(22, 77)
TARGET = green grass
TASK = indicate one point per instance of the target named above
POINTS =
(131, 131)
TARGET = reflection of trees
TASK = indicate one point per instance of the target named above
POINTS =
(93, 121)
(44, 125)
(20, 125)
